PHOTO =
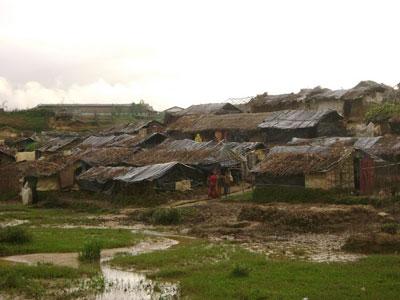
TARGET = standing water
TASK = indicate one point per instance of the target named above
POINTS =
(132, 285)
(118, 284)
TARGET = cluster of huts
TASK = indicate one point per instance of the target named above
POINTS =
(305, 139)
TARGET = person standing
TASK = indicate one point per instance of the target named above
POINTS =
(213, 186)
(227, 181)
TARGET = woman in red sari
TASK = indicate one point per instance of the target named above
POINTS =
(213, 186)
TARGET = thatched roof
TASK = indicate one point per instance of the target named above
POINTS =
(300, 160)
(184, 151)
(108, 156)
(39, 168)
(293, 119)
(194, 153)
(197, 123)
(209, 108)
(364, 88)
(129, 128)
(386, 147)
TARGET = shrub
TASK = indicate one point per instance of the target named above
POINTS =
(91, 252)
(14, 235)
(166, 216)
(240, 271)
(373, 243)
(295, 194)
(10, 280)
(382, 112)
(391, 228)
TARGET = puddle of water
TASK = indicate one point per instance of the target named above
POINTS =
(311, 247)
(14, 222)
(119, 284)
(123, 285)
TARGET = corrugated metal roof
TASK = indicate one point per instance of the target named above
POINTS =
(57, 143)
(293, 119)
(148, 173)
(103, 174)
(129, 174)
(97, 141)
(187, 145)
(365, 143)
(299, 149)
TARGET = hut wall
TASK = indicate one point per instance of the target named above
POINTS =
(334, 104)
(274, 135)
(5, 159)
(167, 182)
(355, 109)
(316, 181)
(331, 125)
(282, 105)
(179, 135)
(292, 180)
(67, 176)
(25, 156)
(387, 179)
(10, 183)
(48, 183)
(340, 177)
(367, 175)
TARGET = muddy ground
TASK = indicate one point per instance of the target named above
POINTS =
(314, 232)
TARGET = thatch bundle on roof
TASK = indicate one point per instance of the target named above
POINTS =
(286, 164)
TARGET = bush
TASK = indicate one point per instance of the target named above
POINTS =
(10, 280)
(91, 252)
(382, 112)
(373, 243)
(166, 216)
(295, 194)
(14, 235)
(240, 271)
(391, 228)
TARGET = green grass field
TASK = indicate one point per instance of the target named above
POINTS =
(46, 281)
(210, 271)
(78, 215)
(35, 120)
(49, 240)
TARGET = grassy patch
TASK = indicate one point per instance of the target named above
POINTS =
(35, 120)
(294, 194)
(205, 272)
(51, 240)
(240, 271)
(307, 220)
(45, 216)
(37, 281)
(166, 216)
(5, 196)
(382, 112)
(91, 252)
(14, 235)
(246, 196)
(391, 228)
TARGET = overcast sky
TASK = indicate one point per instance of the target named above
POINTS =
(184, 52)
